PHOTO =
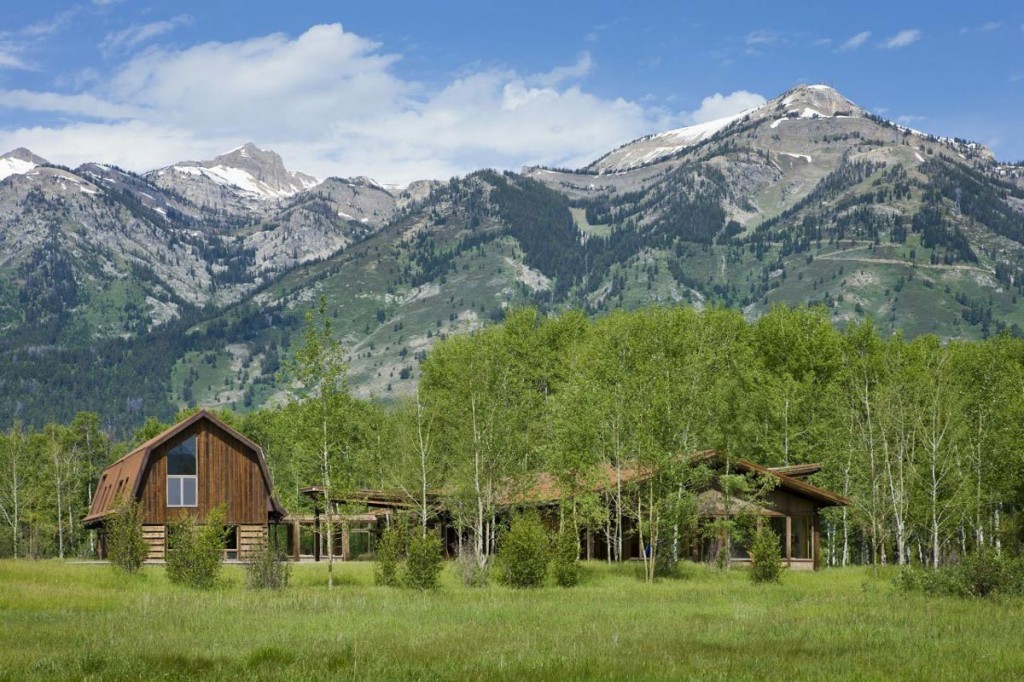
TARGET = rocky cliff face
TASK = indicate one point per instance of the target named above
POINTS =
(246, 181)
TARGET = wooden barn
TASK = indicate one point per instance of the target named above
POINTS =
(191, 468)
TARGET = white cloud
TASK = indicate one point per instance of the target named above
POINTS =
(84, 105)
(855, 41)
(10, 61)
(903, 38)
(719, 106)
(331, 103)
(761, 37)
(560, 74)
(135, 35)
(48, 27)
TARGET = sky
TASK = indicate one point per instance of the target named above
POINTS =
(400, 91)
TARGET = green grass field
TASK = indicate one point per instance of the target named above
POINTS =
(66, 621)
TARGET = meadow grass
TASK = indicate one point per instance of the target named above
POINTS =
(73, 621)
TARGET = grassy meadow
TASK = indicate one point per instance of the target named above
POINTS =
(74, 621)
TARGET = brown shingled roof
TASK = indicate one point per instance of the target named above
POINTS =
(546, 489)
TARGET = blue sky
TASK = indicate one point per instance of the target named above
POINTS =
(404, 90)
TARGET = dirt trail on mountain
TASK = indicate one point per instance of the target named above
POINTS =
(840, 256)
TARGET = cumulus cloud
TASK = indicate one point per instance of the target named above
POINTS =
(903, 38)
(331, 103)
(719, 106)
(560, 74)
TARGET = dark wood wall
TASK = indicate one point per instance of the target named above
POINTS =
(228, 472)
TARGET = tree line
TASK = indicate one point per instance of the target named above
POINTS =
(921, 435)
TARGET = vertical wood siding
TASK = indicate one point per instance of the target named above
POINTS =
(228, 472)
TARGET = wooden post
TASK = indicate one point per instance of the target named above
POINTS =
(295, 539)
(316, 534)
(816, 540)
(789, 540)
(345, 537)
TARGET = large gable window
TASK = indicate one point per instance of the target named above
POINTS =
(181, 474)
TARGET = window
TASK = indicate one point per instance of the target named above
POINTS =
(181, 474)
(803, 535)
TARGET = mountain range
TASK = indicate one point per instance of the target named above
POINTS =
(138, 294)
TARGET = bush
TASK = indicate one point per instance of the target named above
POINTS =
(390, 552)
(986, 572)
(565, 564)
(126, 544)
(766, 560)
(423, 562)
(977, 575)
(267, 569)
(469, 570)
(523, 552)
(193, 555)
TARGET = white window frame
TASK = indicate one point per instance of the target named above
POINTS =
(179, 481)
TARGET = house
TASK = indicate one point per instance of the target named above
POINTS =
(792, 508)
(191, 468)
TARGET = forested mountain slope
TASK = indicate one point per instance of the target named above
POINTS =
(188, 284)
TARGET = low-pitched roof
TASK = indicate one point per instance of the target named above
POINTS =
(126, 473)
(798, 470)
(546, 489)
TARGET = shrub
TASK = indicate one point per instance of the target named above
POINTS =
(423, 562)
(267, 569)
(523, 552)
(390, 551)
(565, 564)
(126, 544)
(766, 560)
(470, 571)
(193, 555)
(977, 575)
(986, 572)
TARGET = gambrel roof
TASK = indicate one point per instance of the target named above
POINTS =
(125, 476)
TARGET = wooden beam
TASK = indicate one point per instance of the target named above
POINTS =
(789, 540)
(345, 536)
(316, 534)
(816, 539)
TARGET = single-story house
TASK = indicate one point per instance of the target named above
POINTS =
(792, 509)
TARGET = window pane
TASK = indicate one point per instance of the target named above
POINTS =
(173, 491)
(188, 492)
(181, 459)
(803, 530)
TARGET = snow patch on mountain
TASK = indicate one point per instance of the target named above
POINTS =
(18, 162)
(655, 147)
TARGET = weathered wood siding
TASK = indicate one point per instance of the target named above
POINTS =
(156, 537)
(228, 472)
(788, 504)
(250, 540)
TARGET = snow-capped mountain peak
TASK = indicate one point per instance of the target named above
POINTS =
(19, 161)
(803, 101)
(254, 172)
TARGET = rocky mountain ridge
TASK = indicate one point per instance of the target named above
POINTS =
(808, 198)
